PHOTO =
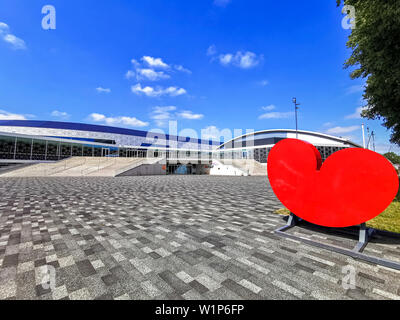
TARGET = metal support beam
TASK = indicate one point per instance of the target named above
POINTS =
(292, 221)
(364, 235)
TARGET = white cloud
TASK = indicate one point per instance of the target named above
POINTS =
(155, 62)
(103, 90)
(328, 124)
(4, 115)
(159, 109)
(15, 42)
(242, 60)
(221, 3)
(247, 60)
(269, 108)
(161, 115)
(356, 114)
(239, 59)
(386, 147)
(130, 74)
(148, 91)
(276, 115)
(157, 92)
(60, 114)
(342, 130)
(350, 138)
(174, 91)
(263, 83)
(211, 132)
(4, 28)
(147, 71)
(150, 74)
(182, 69)
(190, 115)
(124, 120)
(97, 117)
(225, 59)
(135, 63)
(212, 50)
(355, 89)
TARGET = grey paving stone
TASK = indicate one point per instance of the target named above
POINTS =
(173, 281)
(85, 268)
(240, 290)
(170, 237)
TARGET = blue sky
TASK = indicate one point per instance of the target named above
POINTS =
(208, 64)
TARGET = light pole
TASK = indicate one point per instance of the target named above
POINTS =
(372, 136)
(363, 135)
(295, 112)
(373, 140)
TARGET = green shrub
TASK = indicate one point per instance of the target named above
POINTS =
(392, 157)
(398, 193)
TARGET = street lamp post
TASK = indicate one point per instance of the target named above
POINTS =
(373, 140)
(295, 112)
(363, 135)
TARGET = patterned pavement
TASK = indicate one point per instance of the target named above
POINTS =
(168, 237)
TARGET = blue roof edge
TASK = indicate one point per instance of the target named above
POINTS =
(95, 128)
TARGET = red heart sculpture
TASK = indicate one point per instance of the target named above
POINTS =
(352, 186)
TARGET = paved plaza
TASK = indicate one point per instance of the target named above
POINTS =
(169, 237)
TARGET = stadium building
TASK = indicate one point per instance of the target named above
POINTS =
(258, 144)
(86, 149)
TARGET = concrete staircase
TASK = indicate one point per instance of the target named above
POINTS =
(40, 169)
(117, 167)
(66, 168)
(226, 168)
(81, 166)
(249, 166)
(8, 167)
(254, 167)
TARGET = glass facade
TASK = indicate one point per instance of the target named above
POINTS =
(261, 154)
(327, 151)
(36, 149)
(7, 147)
(21, 148)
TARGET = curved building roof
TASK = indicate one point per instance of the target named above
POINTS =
(92, 128)
(270, 137)
(254, 139)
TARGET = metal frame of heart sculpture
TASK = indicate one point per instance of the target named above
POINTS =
(351, 187)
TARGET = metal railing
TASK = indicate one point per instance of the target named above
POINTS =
(137, 162)
(90, 170)
(64, 167)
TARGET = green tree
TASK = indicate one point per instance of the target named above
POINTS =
(392, 157)
(375, 42)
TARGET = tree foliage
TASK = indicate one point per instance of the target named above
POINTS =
(375, 42)
(395, 159)
(392, 157)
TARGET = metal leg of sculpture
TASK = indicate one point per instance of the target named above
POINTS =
(363, 238)
(356, 253)
(292, 221)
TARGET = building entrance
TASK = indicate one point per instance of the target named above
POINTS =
(131, 153)
(185, 169)
(105, 152)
